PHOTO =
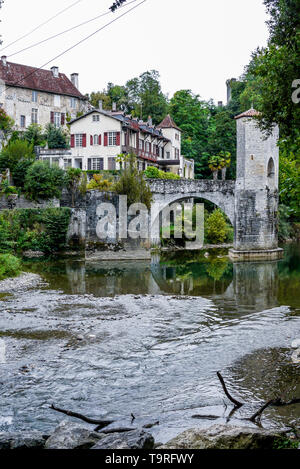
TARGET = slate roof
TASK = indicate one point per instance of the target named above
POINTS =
(24, 76)
(168, 123)
(250, 113)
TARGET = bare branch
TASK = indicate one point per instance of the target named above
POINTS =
(235, 402)
(101, 423)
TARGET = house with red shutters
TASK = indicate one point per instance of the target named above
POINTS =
(35, 96)
(98, 137)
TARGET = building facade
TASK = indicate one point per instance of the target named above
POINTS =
(98, 137)
(36, 96)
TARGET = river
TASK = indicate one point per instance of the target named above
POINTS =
(115, 338)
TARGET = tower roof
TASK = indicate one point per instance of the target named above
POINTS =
(168, 123)
(250, 113)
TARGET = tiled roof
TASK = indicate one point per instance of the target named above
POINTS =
(250, 113)
(33, 78)
(168, 123)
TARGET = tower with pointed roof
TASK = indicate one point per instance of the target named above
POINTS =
(256, 197)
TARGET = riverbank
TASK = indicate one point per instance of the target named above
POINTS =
(22, 282)
(73, 436)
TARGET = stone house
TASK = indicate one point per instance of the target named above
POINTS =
(98, 137)
(31, 95)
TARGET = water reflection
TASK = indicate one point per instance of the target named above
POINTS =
(240, 287)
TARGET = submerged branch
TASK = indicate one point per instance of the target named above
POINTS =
(235, 402)
(100, 423)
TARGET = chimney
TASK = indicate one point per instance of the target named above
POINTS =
(114, 107)
(3, 60)
(75, 80)
(100, 105)
(150, 122)
(55, 72)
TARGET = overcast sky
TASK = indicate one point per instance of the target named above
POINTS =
(194, 44)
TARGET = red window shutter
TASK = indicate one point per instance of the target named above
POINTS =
(72, 141)
(52, 117)
(105, 139)
(91, 140)
(84, 140)
(99, 141)
(62, 119)
(118, 140)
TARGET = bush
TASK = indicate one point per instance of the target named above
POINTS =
(216, 227)
(133, 184)
(34, 229)
(10, 266)
(34, 135)
(154, 173)
(15, 152)
(98, 183)
(43, 181)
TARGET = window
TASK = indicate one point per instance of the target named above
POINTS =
(111, 164)
(176, 154)
(95, 164)
(78, 140)
(96, 140)
(141, 144)
(56, 100)
(177, 137)
(96, 118)
(34, 116)
(67, 163)
(57, 119)
(73, 103)
(168, 155)
(34, 97)
(23, 122)
(112, 139)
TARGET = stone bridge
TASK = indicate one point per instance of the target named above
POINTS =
(221, 193)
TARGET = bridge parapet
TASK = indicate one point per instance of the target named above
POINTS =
(190, 186)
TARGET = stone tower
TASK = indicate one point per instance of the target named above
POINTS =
(256, 193)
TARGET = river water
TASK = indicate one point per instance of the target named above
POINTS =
(108, 339)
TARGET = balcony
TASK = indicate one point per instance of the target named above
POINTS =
(168, 162)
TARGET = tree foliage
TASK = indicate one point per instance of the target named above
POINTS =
(43, 181)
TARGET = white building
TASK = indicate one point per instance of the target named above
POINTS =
(98, 137)
(31, 95)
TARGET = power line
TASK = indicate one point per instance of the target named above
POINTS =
(66, 31)
(74, 45)
(42, 24)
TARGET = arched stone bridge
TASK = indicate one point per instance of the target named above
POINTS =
(221, 193)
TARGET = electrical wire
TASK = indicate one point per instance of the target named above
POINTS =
(67, 30)
(72, 47)
(42, 24)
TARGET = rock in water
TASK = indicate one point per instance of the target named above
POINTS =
(25, 440)
(296, 343)
(224, 437)
(137, 439)
(70, 435)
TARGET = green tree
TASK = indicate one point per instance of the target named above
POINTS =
(56, 137)
(18, 156)
(34, 134)
(6, 125)
(43, 181)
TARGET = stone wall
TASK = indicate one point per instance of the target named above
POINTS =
(22, 202)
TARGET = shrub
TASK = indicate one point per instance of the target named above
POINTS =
(98, 183)
(74, 176)
(133, 184)
(154, 173)
(43, 181)
(10, 266)
(216, 227)
(34, 229)
(14, 152)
